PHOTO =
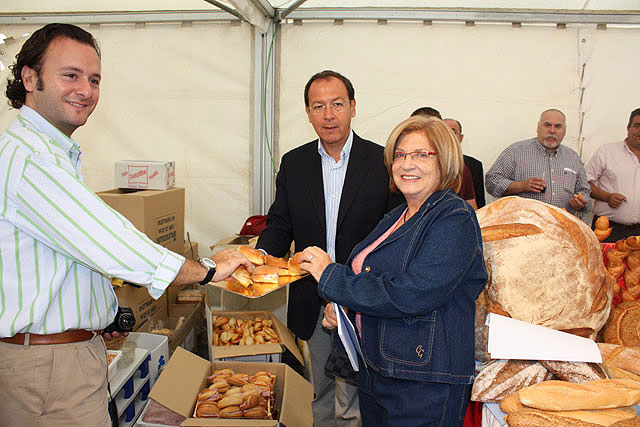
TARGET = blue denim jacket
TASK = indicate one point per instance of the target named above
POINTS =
(417, 292)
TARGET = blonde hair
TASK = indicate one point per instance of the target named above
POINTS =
(443, 140)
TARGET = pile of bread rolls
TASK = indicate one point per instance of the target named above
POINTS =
(238, 395)
(269, 273)
(623, 264)
(242, 331)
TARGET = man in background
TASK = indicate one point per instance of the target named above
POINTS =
(330, 193)
(542, 169)
(474, 165)
(60, 244)
(467, 191)
(614, 175)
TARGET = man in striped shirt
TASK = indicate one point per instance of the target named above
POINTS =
(60, 245)
(542, 169)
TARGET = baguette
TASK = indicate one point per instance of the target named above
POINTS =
(565, 396)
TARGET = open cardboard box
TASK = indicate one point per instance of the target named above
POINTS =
(262, 352)
(186, 374)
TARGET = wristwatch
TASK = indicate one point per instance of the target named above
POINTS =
(211, 265)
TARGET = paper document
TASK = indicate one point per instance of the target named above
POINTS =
(514, 339)
(348, 336)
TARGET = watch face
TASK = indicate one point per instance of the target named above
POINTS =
(208, 262)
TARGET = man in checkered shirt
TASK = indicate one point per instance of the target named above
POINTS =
(542, 169)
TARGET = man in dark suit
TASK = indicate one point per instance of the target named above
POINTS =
(330, 193)
(474, 165)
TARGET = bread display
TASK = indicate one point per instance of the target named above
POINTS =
(623, 263)
(554, 278)
(242, 331)
(556, 395)
(269, 273)
(237, 395)
(623, 326)
(499, 378)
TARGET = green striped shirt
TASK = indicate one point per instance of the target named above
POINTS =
(60, 244)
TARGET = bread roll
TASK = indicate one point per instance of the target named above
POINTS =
(565, 396)
(265, 274)
(499, 378)
(602, 229)
(512, 403)
(278, 262)
(620, 362)
(254, 255)
(294, 264)
(242, 276)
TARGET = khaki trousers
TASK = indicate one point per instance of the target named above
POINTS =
(54, 385)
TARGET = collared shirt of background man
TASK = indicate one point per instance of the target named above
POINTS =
(60, 244)
(614, 175)
(541, 168)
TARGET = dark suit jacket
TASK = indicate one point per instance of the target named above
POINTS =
(298, 214)
(475, 166)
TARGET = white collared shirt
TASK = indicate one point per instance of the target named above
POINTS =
(60, 244)
(333, 175)
(616, 169)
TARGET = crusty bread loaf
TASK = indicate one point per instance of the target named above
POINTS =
(621, 362)
(575, 372)
(512, 403)
(555, 278)
(631, 422)
(565, 396)
(499, 378)
(623, 326)
(543, 419)
(599, 417)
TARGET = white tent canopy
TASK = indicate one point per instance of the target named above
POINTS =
(217, 85)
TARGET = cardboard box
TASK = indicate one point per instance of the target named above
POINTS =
(144, 174)
(143, 305)
(158, 214)
(252, 353)
(186, 374)
(185, 336)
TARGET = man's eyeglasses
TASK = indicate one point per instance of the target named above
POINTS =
(337, 107)
(417, 155)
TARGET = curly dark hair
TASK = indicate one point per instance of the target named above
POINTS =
(33, 51)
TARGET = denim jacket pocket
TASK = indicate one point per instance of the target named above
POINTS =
(408, 341)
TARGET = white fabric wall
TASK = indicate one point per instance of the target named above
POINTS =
(495, 79)
(174, 93)
(184, 94)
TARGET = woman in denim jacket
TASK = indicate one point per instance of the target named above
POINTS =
(411, 285)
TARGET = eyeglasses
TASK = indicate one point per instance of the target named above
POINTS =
(337, 107)
(418, 155)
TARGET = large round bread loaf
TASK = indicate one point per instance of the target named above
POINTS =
(545, 267)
